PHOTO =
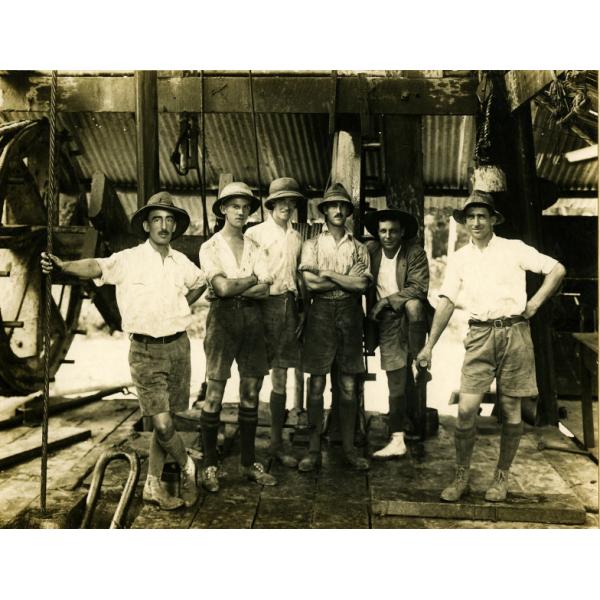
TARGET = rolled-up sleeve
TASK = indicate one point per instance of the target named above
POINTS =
(532, 260)
(452, 282)
(194, 277)
(261, 266)
(209, 261)
(365, 258)
(113, 269)
(308, 257)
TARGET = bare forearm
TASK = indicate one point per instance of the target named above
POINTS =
(316, 283)
(193, 295)
(258, 291)
(443, 312)
(549, 286)
(226, 288)
(86, 268)
(349, 283)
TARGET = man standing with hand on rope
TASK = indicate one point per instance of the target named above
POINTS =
(282, 246)
(152, 281)
(237, 275)
(490, 271)
(336, 269)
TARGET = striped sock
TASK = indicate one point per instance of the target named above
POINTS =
(209, 422)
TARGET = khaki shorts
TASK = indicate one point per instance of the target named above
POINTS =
(393, 340)
(503, 353)
(280, 320)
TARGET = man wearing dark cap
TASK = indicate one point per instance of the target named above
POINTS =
(238, 278)
(336, 269)
(397, 304)
(490, 273)
(282, 246)
(152, 283)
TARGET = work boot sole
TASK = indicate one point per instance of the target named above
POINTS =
(171, 506)
(452, 499)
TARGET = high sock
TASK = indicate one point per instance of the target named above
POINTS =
(277, 406)
(509, 444)
(315, 420)
(176, 448)
(464, 442)
(248, 420)
(156, 457)
(398, 420)
(417, 333)
(209, 422)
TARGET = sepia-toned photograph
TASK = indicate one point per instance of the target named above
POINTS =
(318, 299)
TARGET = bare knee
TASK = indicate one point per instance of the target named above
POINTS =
(511, 409)
(316, 385)
(214, 395)
(249, 392)
(415, 311)
(163, 425)
(347, 385)
(278, 380)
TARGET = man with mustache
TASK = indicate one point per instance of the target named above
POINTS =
(152, 281)
(238, 278)
(336, 270)
(397, 304)
(282, 246)
(490, 273)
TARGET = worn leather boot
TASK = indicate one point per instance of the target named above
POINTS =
(458, 487)
(498, 491)
(154, 493)
(256, 472)
(189, 487)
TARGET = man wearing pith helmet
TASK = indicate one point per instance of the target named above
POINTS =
(336, 269)
(238, 279)
(396, 304)
(490, 271)
(282, 246)
(153, 283)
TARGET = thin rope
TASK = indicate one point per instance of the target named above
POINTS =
(203, 150)
(262, 216)
(50, 208)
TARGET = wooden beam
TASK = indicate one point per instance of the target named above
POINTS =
(146, 120)
(521, 86)
(230, 94)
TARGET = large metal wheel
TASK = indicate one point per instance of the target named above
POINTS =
(23, 191)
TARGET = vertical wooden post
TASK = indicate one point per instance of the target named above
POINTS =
(146, 120)
(403, 155)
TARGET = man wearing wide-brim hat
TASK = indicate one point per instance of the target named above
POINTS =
(336, 269)
(152, 282)
(238, 278)
(282, 246)
(396, 307)
(490, 272)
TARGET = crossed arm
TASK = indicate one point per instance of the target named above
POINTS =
(325, 281)
(249, 287)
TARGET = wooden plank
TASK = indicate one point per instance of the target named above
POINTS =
(146, 121)
(26, 449)
(227, 94)
(521, 86)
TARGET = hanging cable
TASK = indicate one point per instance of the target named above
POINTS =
(51, 211)
(202, 175)
(262, 216)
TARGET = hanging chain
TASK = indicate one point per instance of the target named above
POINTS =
(51, 211)
(262, 216)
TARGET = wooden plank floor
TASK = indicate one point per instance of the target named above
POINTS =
(574, 422)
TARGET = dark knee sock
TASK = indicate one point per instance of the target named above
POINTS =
(277, 406)
(247, 419)
(176, 448)
(315, 420)
(348, 410)
(509, 444)
(464, 441)
(417, 332)
(209, 422)
(398, 420)
(156, 457)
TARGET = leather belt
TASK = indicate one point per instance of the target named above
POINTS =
(148, 339)
(498, 323)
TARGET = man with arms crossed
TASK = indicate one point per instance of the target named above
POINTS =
(237, 275)
(490, 271)
(152, 281)
(282, 246)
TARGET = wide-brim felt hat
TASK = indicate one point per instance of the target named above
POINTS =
(335, 193)
(235, 189)
(408, 222)
(283, 187)
(164, 201)
(478, 198)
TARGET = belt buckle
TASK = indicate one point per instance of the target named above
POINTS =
(498, 323)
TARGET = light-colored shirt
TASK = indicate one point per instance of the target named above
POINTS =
(492, 280)
(282, 249)
(387, 283)
(322, 252)
(217, 258)
(151, 291)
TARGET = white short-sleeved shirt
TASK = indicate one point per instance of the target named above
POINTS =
(282, 249)
(387, 282)
(151, 291)
(493, 279)
(217, 258)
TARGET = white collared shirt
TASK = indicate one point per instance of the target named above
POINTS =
(217, 258)
(493, 279)
(387, 283)
(282, 249)
(151, 291)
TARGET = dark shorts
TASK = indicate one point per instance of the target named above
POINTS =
(280, 319)
(161, 374)
(393, 340)
(504, 353)
(333, 331)
(235, 331)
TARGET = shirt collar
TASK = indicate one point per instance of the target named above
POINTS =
(348, 233)
(491, 243)
(149, 249)
(271, 223)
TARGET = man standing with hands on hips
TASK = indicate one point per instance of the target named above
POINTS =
(490, 271)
